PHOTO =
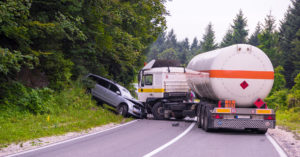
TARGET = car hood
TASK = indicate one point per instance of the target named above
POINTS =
(133, 100)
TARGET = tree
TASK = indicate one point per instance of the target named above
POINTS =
(227, 39)
(208, 39)
(288, 30)
(184, 52)
(167, 46)
(296, 54)
(194, 44)
(195, 49)
(239, 29)
(268, 40)
(169, 54)
(253, 40)
(279, 81)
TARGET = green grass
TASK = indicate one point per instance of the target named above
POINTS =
(70, 110)
(289, 119)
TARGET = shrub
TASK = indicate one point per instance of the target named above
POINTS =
(23, 98)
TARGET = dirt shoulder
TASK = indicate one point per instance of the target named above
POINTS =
(288, 141)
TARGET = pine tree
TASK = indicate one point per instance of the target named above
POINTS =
(239, 29)
(253, 40)
(227, 39)
(171, 39)
(268, 40)
(296, 54)
(208, 40)
(288, 30)
(183, 51)
(194, 44)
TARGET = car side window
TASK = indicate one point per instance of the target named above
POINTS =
(148, 79)
(101, 82)
(114, 88)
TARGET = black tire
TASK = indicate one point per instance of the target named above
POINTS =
(199, 125)
(123, 110)
(158, 111)
(88, 91)
(202, 116)
(206, 120)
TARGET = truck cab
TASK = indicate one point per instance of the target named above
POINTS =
(164, 90)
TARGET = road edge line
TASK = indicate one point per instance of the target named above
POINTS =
(68, 140)
(281, 152)
(170, 142)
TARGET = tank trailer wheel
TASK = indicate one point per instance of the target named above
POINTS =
(199, 125)
(202, 117)
(158, 111)
(206, 120)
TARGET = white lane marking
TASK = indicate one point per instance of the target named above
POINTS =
(170, 142)
(277, 147)
(72, 139)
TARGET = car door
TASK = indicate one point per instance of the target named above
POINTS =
(114, 95)
(101, 88)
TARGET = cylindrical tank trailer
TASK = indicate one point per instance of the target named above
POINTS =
(240, 72)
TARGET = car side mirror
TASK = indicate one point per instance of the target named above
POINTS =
(118, 92)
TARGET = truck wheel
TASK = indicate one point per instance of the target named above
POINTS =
(206, 120)
(199, 125)
(122, 110)
(158, 111)
(202, 116)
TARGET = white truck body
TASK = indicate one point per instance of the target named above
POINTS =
(164, 80)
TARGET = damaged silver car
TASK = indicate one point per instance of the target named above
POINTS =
(116, 96)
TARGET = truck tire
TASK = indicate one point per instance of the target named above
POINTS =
(202, 116)
(122, 110)
(206, 120)
(199, 125)
(158, 111)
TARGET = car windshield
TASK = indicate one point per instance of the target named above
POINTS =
(125, 93)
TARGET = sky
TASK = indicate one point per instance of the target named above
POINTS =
(189, 18)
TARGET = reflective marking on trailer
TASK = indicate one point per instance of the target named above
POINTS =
(240, 74)
(151, 90)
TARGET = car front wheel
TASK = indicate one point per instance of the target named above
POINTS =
(122, 110)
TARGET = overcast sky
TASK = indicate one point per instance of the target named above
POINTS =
(189, 18)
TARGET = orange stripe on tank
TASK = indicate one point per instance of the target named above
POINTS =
(240, 74)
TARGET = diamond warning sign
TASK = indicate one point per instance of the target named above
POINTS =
(244, 84)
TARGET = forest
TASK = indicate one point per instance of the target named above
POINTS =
(47, 46)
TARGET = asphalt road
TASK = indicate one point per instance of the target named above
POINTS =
(144, 136)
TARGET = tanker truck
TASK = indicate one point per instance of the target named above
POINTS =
(230, 83)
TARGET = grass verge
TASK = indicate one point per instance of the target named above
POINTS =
(289, 119)
(70, 110)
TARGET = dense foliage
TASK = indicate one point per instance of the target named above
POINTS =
(48, 43)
